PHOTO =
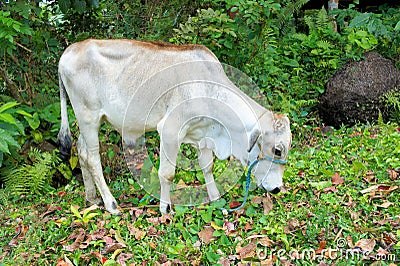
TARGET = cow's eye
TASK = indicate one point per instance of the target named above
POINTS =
(277, 152)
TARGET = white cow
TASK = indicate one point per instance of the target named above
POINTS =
(180, 91)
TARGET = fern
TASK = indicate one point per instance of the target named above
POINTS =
(323, 44)
(392, 103)
(33, 179)
(319, 22)
(286, 15)
(322, 19)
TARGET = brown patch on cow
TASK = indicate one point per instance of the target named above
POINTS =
(147, 44)
(169, 46)
(279, 116)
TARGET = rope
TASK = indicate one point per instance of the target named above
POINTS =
(246, 193)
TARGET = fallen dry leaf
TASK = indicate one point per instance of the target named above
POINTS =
(366, 244)
(385, 205)
(234, 204)
(354, 215)
(136, 232)
(139, 166)
(20, 232)
(98, 234)
(165, 219)
(265, 241)
(152, 212)
(330, 189)
(248, 226)
(337, 179)
(206, 235)
(257, 199)
(123, 257)
(79, 237)
(379, 187)
(268, 204)
(248, 251)
(62, 262)
(369, 176)
(267, 262)
(111, 248)
(381, 251)
(322, 246)
(349, 241)
(151, 231)
(393, 174)
(50, 210)
(224, 261)
(181, 184)
(291, 225)
(153, 220)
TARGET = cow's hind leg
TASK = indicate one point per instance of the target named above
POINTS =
(90, 188)
(205, 157)
(93, 174)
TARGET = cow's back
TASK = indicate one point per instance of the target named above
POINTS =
(113, 77)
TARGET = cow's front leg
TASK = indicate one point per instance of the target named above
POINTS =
(206, 163)
(166, 172)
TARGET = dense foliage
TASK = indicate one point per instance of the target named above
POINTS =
(288, 52)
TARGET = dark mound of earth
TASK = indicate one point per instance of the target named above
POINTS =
(354, 93)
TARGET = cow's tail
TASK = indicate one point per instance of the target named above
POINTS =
(64, 139)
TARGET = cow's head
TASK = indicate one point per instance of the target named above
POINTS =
(271, 140)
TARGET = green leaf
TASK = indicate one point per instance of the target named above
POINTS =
(73, 162)
(360, 20)
(110, 262)
(64, 5)
(321, 185)
(224, 241)
(6, 141)
(8, 118)
(4, 145)
(292, 63)
(33, 122)
(94, 3)
(206, 215)
(7, 106)
(88, 210)
(88, 217)
(119, 238)
(212, 256)
(397, 27)
(80, 6)
(250, 211)
(24, 113)
(218, 203)
(75, 211)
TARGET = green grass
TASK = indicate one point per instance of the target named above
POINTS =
(342, 195)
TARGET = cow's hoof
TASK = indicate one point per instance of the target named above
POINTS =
(214, 197)
(165, 208)
(114, 209)
(116, 212)
(95, 201)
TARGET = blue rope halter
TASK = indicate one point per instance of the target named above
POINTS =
(265, 157)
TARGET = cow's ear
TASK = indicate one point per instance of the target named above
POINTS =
(280, 123)
(254, 135)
